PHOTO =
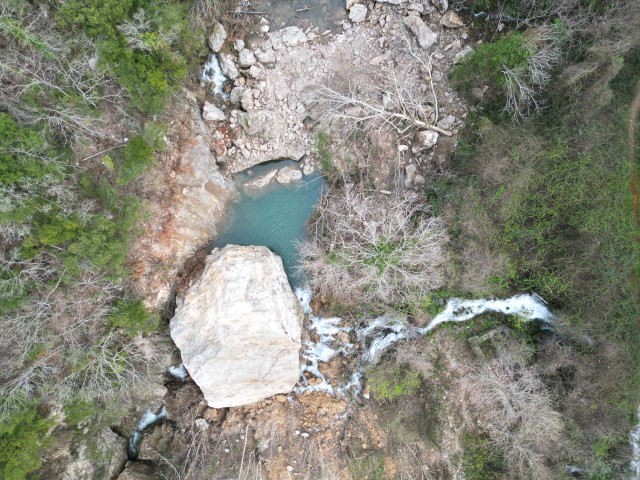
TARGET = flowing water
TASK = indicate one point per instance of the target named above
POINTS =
(148, 418)
(274, 216)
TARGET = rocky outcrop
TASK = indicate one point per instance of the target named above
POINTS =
(246, 58)
(288, 37)
(423, 34)
(217, 37)
(238, 327)
(139, 471)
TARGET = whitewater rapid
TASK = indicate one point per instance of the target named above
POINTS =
(382, 333)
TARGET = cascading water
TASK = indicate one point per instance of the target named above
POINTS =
(147, 419)
(212, 74)
(382, 333)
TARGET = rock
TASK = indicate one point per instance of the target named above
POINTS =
(447, 122)
(410, 173)
(239, 326)
(214, 415)
(416, 7)
(424, 140)
(266, 58)
(287, 37)
(307, 168)
(264, 28)
(157, 439)
(236, 95)
(477, 93)
(423, 34)
(263, 180)
(217, 37)
(201, 424)
(138, 471)
(211, 113)
(246, 58)
(393, 2)
(288, 174)
(247, 100)
(238, 44)
(418, 180)
(358, 13)
(351, 3)
(461, 54)
(441, 5)
(228, 66)
(451, 20)
(264, 124)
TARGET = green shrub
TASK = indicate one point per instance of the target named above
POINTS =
(486, 64)
(133, 318)
(480, 460)
(22, 437)
(137, 156)
(389, 382)
(95, 17)
(76, 411)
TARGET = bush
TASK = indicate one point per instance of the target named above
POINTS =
(137, 156)
(133, 318)
(480, 460)
(76, 411)
(22, 437)
(94, 17)
(373, 248)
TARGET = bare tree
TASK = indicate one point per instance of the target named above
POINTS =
(373, 247)
(517, 411)
(385, 98)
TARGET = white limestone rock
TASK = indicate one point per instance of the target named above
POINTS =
(358, 13)
(263, 180)
(246, 58)
(211, 113)
(425, 36)
(451, 20)
(217, 37)
(424, 140)
(288, 174)
(228, 66)
(239, 328)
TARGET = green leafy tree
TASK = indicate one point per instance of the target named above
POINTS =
(95, 17)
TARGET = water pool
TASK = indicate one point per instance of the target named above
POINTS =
(274, 216)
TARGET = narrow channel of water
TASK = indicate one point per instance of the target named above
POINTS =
(274, 216)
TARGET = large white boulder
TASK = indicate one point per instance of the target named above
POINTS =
(239, 328)
(217, 37)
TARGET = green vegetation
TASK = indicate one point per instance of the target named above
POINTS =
(133, 317)
(388, 382)
(480, 460)
(324, 153)
(22, 438)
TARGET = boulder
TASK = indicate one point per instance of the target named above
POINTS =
(263, 180)
(228, 66)
(239, 327)
(441, 5)
(246, 58)
(217, 37)
(211, 113)
(238, 44)
(423, 34)
(247, 99)
(424, 140)
(267, 58)
(138, 471)
(264, 124)
(358, 13)
(288, 37)
(288, 174)
(235, 97)
(416, 7)
(451, 20)
(447, 122)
